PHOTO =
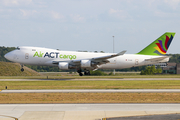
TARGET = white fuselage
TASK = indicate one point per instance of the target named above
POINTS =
(44, 56)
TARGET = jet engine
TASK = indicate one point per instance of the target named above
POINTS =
(63, 65)
(85, 63)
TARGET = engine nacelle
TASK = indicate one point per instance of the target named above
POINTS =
(85, 63)
(63, 65)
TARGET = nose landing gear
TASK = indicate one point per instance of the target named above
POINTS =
(22, 69)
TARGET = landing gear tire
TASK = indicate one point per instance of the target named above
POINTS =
(22, 69)
(80, 73)
(87, 72)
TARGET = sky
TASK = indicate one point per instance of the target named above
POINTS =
(88, 25)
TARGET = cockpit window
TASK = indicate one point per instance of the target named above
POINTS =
(33, 49)
(17, 48)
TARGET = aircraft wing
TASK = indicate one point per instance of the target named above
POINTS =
(157, 59)
(109, 56)
(104, 59)
(96, 60)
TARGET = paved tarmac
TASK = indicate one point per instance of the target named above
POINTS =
(149, 117)
(95, 91)
(83, 111)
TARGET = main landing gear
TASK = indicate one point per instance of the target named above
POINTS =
(80, 72)
(86, 72)
(22, 69)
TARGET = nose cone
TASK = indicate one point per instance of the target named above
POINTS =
(8, 56)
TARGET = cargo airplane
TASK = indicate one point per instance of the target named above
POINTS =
(86, 61)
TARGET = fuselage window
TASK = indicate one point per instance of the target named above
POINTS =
(33, 49)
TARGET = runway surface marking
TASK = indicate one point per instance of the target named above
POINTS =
(96, 91)
(8, 117)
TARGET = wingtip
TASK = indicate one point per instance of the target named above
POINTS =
(122, 52)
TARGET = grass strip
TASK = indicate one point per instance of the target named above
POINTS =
(60, 76)
(138, 84)
(9, 98)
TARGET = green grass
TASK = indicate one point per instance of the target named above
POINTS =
(13, 69)
(60, 76)
(36, 77)
(111, 84)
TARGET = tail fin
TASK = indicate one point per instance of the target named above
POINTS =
(159, 46)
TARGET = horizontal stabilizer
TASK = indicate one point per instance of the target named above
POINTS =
(157, 59)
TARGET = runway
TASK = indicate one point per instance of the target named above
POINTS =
(82, 111)
(95, 91)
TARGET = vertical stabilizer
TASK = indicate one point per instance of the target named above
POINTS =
(159, 46)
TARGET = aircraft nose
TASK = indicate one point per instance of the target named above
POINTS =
(7, 56)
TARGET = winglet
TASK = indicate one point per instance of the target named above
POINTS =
(159, 46)
(122, 52)
(118, 54)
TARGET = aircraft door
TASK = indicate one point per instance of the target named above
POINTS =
(136, 61)
(26, 56)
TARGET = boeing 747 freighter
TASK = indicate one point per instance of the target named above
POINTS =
(86, 61)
